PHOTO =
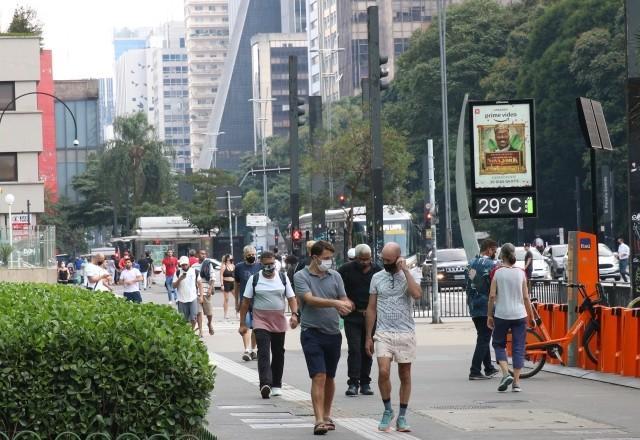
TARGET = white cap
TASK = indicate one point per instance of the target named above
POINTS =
(183, 260)
(351, 253)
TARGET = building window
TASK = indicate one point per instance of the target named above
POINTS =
(7, 94)
(8, 167)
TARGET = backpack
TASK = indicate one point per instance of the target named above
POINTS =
(478, 276)
(205, 270)
(255, 280)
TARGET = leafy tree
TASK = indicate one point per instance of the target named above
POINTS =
(70, 238)
(202, 211)
(25, 21)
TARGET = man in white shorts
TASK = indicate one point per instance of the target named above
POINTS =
(392, 292)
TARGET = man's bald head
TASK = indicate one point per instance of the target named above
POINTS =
(391, 250)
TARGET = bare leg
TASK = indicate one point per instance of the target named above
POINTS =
(404, 371)
(245, 340)
(384, 381)
(504, 367)
(199, 321)
(210, 322)
(225, 304)
(516, 376)
(318, 384)
(329, 392)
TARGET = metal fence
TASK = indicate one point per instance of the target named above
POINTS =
(30, 247)
(453, 300)
(202, 434)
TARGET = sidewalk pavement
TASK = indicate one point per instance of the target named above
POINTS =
(444, 404)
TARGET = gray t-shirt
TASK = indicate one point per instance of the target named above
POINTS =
(395, 306)
(328, 286)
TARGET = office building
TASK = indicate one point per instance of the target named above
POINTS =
(106, 109)
(207, 40)
(270, 75)
(294, 16)
(82, 97)
(21, 127)
(231, 108)
(127, 39)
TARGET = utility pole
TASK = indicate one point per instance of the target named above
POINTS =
(318, 200)
(442, 27)
(364, 87)
(375, 85)
(263, 144)
(295, 112)
(230, 223)
(435, 300)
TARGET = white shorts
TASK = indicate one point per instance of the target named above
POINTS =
(400, 347)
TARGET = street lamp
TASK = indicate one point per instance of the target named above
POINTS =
(9, 199)
(75, 124)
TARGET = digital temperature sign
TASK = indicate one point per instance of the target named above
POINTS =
(504, 205)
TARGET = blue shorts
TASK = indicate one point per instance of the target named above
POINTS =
(321, 351)
(248, 319)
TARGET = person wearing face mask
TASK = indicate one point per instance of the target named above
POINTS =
(130, 278)
(267, 290)
(242, 272)
(391, 302)
(356, 275)
(478, 282)
(322, 299)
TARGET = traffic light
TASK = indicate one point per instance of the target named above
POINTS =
(384, 72)
(296, 235)
(428, 217)
(342, 199)
(307, 235)
(332, 235)
(300, 111)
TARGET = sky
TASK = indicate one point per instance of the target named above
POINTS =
(80, 32)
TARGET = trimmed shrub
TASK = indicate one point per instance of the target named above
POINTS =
(85, 362)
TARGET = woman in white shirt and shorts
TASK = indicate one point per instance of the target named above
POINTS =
(513, 311)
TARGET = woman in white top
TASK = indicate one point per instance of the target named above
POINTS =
(510, 296)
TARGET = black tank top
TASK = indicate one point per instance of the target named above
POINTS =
(227, 273)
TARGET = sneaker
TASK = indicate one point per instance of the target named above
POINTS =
(402, 425)
(385, 423)
(365, 389)
(246, 356)
(351, 391)
(491, 373)
(170, 302)
(516, 388)
(504, 383)
(478, 376)
(265, 391)
(275, 391)
(254, 355)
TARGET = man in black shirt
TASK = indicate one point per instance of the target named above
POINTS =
(356, 276)
(528, 261)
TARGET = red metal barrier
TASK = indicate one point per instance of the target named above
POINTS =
(610, 358)
(559, 327)
(631, 342)
(583, 360)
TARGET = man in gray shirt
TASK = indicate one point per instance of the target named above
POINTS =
(391, 302)
(322, 299)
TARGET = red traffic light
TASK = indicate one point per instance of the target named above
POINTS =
(296, 235)
(342, 199)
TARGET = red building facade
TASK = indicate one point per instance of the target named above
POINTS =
(47, 163)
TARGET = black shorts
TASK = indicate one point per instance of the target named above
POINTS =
(321, 351)
(228, 286)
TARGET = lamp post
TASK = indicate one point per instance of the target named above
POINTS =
(75, 124)
(263, 128)
(9, 199)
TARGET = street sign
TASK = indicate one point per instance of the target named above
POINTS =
(257, 220)
(503, 159)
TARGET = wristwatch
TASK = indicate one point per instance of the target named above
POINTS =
(296, 314)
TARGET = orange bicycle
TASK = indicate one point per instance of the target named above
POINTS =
(539, 344)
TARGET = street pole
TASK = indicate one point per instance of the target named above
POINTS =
(230, 224)
(442, 26)
(364, 86)
(435, 300)
(376, 135)
(318, 199)
(594, 193)
(263, 143)
(294, 182)
(578, 213)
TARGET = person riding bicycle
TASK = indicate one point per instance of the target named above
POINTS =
(478, 283)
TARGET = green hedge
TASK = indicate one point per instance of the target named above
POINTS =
(85, 362)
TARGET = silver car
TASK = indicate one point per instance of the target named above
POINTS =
(541, 269)
(554, 255)
(608, 264)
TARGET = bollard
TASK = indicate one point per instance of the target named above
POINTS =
(631, 342)
(609, 359)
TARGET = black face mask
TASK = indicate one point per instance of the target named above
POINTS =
(391, 267)
(269, 269)
(251, 259)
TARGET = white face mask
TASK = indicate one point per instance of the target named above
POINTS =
(325, 265)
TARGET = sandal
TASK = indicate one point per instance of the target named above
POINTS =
(320, 429)
(331, 426)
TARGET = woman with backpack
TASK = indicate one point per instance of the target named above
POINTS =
(228, 283)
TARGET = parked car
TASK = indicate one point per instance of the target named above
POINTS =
(608, 264)
(554, 255)
(541, 269)
(452, 264)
